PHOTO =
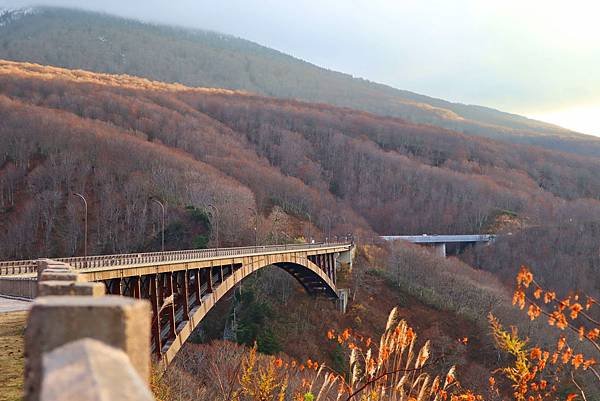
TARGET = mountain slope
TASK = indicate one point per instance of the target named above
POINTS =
(356, 169)
(102, 43)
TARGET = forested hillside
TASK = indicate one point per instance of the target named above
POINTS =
(121, 139)
(102, 43)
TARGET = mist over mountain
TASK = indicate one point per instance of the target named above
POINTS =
(103, 43)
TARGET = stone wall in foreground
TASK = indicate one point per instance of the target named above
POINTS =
(83, 345)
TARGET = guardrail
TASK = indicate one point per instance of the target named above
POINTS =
(17, 267)
(99, 261)
(435, 238)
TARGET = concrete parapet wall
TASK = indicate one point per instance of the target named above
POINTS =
(48, 270)
(82, 345)
(19, 287)
(54, 321)
(51, 267)
(90, 370)
(48, 288)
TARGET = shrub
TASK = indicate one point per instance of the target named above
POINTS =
(200, 242)
(394, 370)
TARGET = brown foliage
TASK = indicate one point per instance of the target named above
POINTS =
(347, 169)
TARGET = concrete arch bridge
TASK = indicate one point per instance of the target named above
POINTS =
(444, 245)
(182, 286)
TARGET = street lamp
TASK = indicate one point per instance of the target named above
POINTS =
(85, 232)
(309, 224)
(328, 228)
(162, 206)
(216, 217)
(255, 226)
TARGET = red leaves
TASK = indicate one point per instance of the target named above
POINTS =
(519, 299)
(549, 296)
(524, 277)
(564, 314)
(575, 309)
(534, 311)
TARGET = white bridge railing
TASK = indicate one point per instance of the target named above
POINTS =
(438, 239)
(99, 261)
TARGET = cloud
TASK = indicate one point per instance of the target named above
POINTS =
(526, 57)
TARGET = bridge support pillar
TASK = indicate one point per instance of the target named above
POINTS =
(440, 249)
(332, 264)
(184, 294)
(154, 302)
(171, 307)
(197, 286)
(209, 278)
(343, 295)
(345, 258)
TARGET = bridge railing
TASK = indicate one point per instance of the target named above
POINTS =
(17, 267)
(100, 261)
(435, 238)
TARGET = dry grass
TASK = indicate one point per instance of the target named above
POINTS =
(394, 369)
(32, 70)
(12, 326)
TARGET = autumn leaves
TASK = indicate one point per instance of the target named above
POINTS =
(538, 374)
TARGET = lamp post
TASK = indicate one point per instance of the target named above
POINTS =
(309, 224)
(162, 206)
(328, 228)
(216, 217)
(275, 226)
(255, 227)
(85, 219)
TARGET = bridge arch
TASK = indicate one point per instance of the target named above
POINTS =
(311, 276)
(182, 292)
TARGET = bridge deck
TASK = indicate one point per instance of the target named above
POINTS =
(97, 263)
(438, 239)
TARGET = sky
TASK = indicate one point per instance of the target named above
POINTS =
(538, 58)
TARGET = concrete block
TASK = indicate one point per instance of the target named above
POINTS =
(55, 270)
(49, 275)
(20, 287)
(89, 370)
(53, 321)
(46, 288)
(43, 264)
